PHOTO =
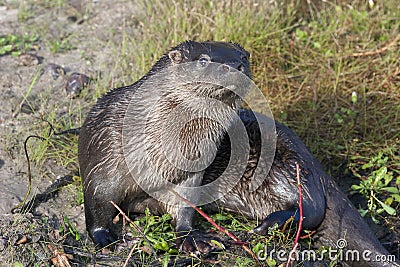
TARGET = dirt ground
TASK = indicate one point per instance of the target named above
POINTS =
(93, 23)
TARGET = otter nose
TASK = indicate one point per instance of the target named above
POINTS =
(234, 65)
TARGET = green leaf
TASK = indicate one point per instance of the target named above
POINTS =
(151, 238)
(302, 35)
(354, 97)
(367, 165)
(328, 53)
(317, 45)
(338, 118)
(374, 219)
(390, 189)
(259, 246)
(220, 217)
(8, 48)
(388, 178)
(173, 251)
(362, 212)
(16, 53)
(380, 174)
(379, 211)
(165, 260)
(218, 244)
(166, 217)
(356, 189)
(161, 244)
(389, 201)
(388, 209)
(271, 262)
(396, 197)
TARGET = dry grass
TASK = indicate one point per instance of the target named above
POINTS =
(308, 63)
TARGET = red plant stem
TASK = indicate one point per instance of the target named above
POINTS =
(219, 228)
(296, 240)
(208, 218)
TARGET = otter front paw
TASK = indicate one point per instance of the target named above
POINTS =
(277, 217)
(103, 237)
(197, 242)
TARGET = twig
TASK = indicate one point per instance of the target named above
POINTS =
(51, 132)
(13, 210)
(296, 240)
(129, 256)
(137, 229)
(308, 235)
(49, 192)
(380, 50)
(219, 228)
(287, 223)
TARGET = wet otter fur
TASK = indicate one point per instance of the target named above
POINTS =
(341, 219)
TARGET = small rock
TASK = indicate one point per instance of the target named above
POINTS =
(55, 70)
(36, 238)
(3, 243)
(72, 18)
(26, 108)
(22, 240)
(29, 60)
(75, 83)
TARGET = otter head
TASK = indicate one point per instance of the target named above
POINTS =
(218, 70)
(231, 55)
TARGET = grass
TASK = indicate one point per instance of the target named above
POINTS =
(16, 45)
(313, 66)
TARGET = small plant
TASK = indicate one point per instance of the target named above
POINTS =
(230, 222)
(158, 231)
(347, 115)
(61, 45)
(68, 227)
(377, 184)
(16, 45)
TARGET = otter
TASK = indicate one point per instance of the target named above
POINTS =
(126, 149)
(129, 145)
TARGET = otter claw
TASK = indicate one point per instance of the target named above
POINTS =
(197, 242)
(102, 237)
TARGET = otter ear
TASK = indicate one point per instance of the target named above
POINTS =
(176, 56)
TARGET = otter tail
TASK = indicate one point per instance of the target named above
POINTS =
(343, 228)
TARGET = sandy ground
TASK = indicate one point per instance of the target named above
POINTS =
(99, 24)
(94, 24)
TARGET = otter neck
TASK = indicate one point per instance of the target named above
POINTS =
(186, 133)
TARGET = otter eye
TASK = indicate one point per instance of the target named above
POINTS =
(204, 60)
